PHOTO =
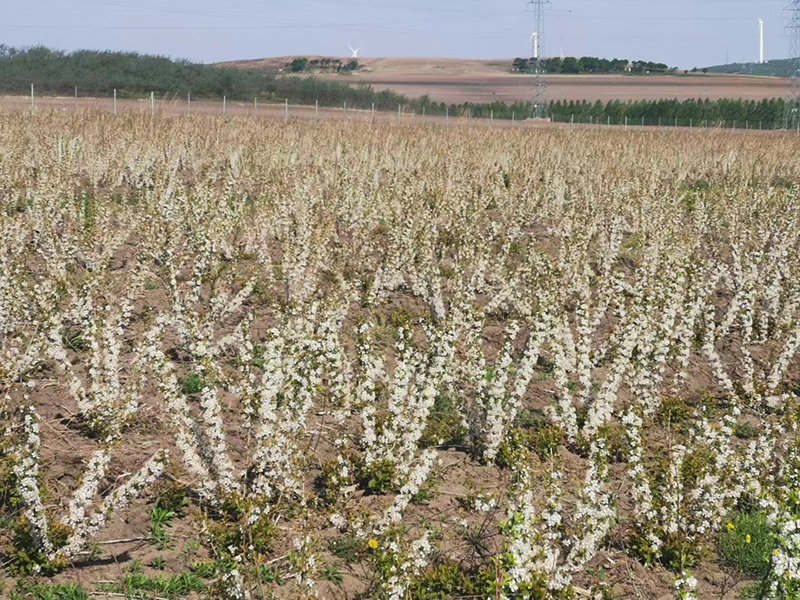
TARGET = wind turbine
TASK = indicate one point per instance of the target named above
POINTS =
(761, 41)
(354, 51)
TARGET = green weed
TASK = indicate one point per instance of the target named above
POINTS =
(332, 574)
(55, 591)
(445, 424)
(191, 384)
(746, 543)
(138, 585)
(74, 340)
(160, 519)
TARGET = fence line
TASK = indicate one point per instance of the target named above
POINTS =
(403, 116)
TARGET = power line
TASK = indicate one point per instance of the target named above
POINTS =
(539, 95)
(792, 111)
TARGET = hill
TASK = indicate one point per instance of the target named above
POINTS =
(447, 67)
(458, 81)
(386, 66)
(773, 68)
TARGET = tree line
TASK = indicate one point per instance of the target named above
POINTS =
(588, 64)
(335, 65)
(767, 113)
(98, 73)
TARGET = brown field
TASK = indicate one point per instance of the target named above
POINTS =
(479, 81)
(517, 88)
(173, 107)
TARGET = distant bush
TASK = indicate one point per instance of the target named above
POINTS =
(333, 65)
(298, 65)
(589, 64)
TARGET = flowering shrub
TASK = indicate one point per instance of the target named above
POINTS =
(458, 361)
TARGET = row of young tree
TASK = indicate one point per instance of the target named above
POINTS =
(589, 64)
(766, 114)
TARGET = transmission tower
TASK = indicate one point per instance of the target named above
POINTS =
(539, 95)
(792, 111)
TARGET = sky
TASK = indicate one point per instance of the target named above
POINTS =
(681, 33)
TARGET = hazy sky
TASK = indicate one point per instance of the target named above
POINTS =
(683, 33)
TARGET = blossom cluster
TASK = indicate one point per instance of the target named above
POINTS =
(333, 338)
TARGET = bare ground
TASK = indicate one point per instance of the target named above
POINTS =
(462, 80)
(174, 107)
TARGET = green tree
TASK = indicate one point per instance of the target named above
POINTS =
(299, 65)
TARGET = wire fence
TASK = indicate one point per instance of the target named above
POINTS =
(172, 105)
(674, 122)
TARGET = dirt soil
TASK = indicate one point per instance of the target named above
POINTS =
(461, 80)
